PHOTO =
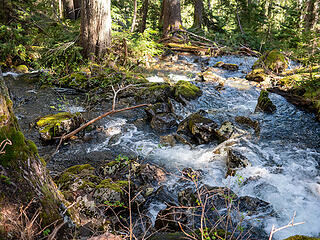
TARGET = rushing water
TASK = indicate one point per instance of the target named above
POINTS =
(285, 157)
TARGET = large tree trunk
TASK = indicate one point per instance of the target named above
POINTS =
(95, 27)
(134, 18)
(144, 11)
(198, 13)
(23, 176)
(171, 16)
(69, 11)
(311, 14)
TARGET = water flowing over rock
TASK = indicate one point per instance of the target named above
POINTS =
(227, 66)
(235, 160)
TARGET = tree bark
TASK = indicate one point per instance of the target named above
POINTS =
(171, 16)
(134, 18)
(95, 27)
(145, 8)
(311, 14)
(198, 13)
(77, 8)
(68, 7)
(24, 171)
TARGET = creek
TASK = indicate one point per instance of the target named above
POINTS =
(285, 157)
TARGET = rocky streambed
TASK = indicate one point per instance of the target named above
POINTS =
(204, 156)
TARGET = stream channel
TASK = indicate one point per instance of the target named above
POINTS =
(285, 157)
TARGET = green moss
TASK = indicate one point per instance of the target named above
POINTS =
(300, 237)
(77, 169)
(22, 69)
(53, 125)
(186, 90)
(77, 79)
(273, 60)
(264, 103)
(158, 86)
(257, 75)
(116, 186)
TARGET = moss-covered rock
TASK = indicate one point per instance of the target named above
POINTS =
(186, 90)
(54, 125)
(22, 69)
(257, 75)
(264, 103)
(77, 80)
(300, 237)
(153, 93)
(273, 60)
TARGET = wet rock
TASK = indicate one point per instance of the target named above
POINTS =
(200, 129)
(110, 191)
(210, 76)
(235, 160)
(152, 174)
(254, 206)
(55, 125)
(249, 122)
(153, 93)
(186, 90)
(264, 103)
(169, 236)
(170, 218)
(168, 140)
(157, 108)
(163, 122)
(226, 130)
(227, 66)
(187, 198)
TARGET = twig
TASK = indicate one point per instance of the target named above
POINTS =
(290, 224)
(4, 143)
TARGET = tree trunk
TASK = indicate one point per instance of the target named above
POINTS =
(95, 27)
(68, 7)
(171, 16)
(311, 15)
(23, 175)
(134, 18)
(145, 8)
(198, 12)
(77, 8)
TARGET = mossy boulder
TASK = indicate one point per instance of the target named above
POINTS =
(55, 125)
(300, 237)
(186, 90)
(77, 80)
(264, 103)
(273, 60)
(153, 93)
(227, 66)
(22, 69)
(257, 75)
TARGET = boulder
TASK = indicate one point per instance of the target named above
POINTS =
(264, 103)
(197, 129)
(170, 218)
(168, 140)
(153, 93)
(151, 174)
(55, 125)
(235, 160)
(157, 108)
(257, 75)
(249, 122)
(225, 131)
(273, 60)
(186, 90)
(163, 122)
(210, 76)
(227, 66)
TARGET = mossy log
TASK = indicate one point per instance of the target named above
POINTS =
(27, 177)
